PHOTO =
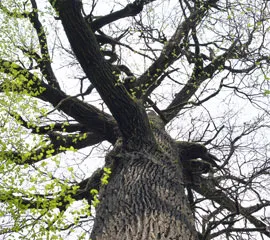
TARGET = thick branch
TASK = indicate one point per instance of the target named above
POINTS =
(130, 115)
(130, 10)
(91, 117)
(58, 143)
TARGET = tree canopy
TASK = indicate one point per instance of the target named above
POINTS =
(80, 78)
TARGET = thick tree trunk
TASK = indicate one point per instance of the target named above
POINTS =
(144, 199)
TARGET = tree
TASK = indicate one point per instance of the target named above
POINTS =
(195, 69)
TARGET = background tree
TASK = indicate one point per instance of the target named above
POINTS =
(81, 80)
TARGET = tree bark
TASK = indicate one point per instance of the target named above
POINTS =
(143, 200)
(145, 197)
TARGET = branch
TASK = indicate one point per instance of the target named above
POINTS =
(86, 185)
(131, 10)
(208, 190)
(130, 115)
(249, 68)
(199, 75)
(91, 117)
(232, 230)
(78, 192)
(171, 51)
(60, 127)
(58, 143)
(14, 14)
(45, 65)
(20, 201)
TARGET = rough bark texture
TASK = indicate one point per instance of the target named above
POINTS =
(145, 196)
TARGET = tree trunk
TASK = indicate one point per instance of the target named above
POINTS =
(144, 198)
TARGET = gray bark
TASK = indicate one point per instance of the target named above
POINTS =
(145, 196)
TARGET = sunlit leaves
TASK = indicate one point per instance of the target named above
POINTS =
(34, 194)
(106, 176)
(96, 201)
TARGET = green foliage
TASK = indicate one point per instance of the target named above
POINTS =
(266, 92)
(106, 176)
(94, 193)
(30, 194)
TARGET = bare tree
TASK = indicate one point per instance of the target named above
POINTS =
(181, 90)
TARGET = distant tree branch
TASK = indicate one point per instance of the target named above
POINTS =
(171, 51)
(199, 75)
(208, 190)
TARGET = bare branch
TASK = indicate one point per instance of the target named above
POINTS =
(207, 189)
(131, 10)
